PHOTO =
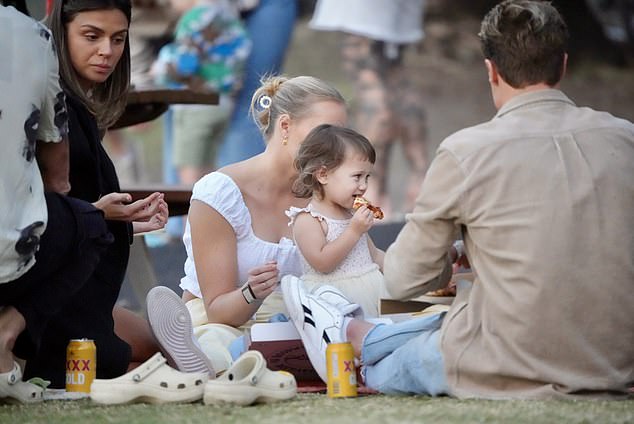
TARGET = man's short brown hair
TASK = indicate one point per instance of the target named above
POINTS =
(526, 40)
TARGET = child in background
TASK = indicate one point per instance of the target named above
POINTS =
(209, 51)
(334, 166)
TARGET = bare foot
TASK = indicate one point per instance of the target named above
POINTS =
(11, 325)
(356, 332)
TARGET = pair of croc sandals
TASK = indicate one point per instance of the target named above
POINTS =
(246, 382)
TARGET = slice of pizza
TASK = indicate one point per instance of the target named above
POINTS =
(449, 291)
(360, 201)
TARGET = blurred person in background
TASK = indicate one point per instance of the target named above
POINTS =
(270, 25)
(151, 27)
(388, 103)
(208, 54)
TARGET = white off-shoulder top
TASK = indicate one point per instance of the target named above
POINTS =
(220, 192)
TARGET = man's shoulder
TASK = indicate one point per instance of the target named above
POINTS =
(490, 134)
(598, 118)
(467, 140)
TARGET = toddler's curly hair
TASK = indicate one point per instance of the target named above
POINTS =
(325, 148)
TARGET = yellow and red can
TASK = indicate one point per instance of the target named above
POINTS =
(81, 365)
(342, 374)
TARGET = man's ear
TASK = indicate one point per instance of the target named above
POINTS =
(492, 72)
(564, 66)
(322, 175)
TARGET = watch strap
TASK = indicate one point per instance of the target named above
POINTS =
(248, 294)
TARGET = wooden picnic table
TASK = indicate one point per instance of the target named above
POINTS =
(147, 103)
(150, 102)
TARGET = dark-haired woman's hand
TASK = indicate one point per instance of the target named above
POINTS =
(117, 207)
(156, 221)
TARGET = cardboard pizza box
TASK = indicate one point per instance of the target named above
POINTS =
(281, 346)
(389, 306)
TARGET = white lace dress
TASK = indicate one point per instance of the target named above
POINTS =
(357, 276)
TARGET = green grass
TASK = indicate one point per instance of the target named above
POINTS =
(316, 408)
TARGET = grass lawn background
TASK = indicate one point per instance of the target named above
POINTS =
(318, 408)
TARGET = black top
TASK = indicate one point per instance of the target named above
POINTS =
(92, 175)
(88, 313)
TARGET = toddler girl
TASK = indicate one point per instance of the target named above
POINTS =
(334, 166)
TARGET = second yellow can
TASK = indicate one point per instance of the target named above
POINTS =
(342, 374)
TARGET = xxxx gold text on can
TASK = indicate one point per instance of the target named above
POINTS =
(81, 365)
(342, 375)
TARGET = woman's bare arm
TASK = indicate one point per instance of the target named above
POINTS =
(214, 247)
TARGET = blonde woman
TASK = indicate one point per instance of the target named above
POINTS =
(237, 236)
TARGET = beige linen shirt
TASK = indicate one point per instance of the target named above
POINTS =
(544, 197)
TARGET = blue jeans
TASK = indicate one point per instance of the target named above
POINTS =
(405, 358)
(270, 25)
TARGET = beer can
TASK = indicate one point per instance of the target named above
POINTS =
(81, 365)
(342, 375)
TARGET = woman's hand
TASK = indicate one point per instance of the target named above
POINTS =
(117, 207)
(263, 280)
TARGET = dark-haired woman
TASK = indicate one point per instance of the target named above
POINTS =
(92, 43)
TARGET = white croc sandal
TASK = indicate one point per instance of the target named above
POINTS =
(249, 381)
(14, 390)
(152, 382)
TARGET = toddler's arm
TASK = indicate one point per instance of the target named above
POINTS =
(326, 256)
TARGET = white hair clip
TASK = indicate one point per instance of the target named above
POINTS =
(264, 101)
